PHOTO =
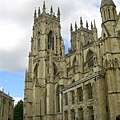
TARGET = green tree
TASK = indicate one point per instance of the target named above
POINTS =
(18, 111)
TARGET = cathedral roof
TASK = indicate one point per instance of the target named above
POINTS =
(107, 2)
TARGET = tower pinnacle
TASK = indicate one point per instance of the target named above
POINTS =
(58, 13)
(44, 7)
(51, 10)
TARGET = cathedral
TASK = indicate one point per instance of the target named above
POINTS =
(83, 84)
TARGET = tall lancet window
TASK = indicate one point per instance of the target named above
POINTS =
(55, 68)
(36, 73)
(50, 40)
(89, 59)
(57, 99)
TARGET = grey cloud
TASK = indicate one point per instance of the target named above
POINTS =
(15, 58)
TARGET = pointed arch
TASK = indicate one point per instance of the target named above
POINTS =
(89, 58)
(51, 40)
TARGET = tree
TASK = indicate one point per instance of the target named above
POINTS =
(18, 111)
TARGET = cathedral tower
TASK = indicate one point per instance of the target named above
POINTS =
(46, 52)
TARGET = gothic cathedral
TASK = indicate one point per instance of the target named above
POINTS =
(83, 84)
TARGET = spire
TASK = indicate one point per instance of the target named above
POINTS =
(58, 13)
(75, 26)
(71, 28)
(87, 24)
(44, 7)
(107, 2)
(51, 10)
(39, 12)
(81, 22)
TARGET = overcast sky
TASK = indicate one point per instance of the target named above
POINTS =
(16, 20)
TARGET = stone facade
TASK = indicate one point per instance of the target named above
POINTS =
(83, 84)
(6, 106)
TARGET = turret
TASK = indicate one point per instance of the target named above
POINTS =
(108, 10)
(109, 15)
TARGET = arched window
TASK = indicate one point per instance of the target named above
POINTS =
(104, 15)
(113, 13)
(55, 68)
(36, 72)
(109, 14)
(89, 59)
(57, 99)
(50, 40)
(74, 65)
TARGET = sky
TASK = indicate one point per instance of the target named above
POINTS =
(16, 21)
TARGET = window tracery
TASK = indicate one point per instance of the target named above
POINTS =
(89, 59)
(50, 40)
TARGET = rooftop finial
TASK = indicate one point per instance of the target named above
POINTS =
(71, 28)
(44, 7)
(58, 13)
(35, 16)
(87, 24)
(51, 10)
(75, 26)
(81, 22)
(35, 13)
(39, 12)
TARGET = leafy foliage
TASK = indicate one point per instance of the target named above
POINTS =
(18, 111)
